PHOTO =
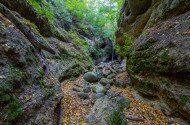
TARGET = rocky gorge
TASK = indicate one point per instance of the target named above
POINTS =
(58, 71)
(158, 61)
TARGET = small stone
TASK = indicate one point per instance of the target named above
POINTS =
(76, 89)
(90, 77)
(119, 70)
(108, 86)
(120, 83)
(99, 95)
(101, 66)
(83, 95)
(2, 77)
(106, 71)
(123, 102)
(87, 89)
(105, 81)
(99, 74)
(98, 88)
(111, 76)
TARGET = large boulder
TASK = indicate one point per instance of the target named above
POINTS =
(98, 88)
(90, 77)
(108, 111)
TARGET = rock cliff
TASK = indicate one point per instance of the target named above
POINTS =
(158, 60)
(30, 90)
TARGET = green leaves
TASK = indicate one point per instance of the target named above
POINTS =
(101, 14)
(125, 49)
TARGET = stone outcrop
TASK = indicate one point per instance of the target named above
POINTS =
(30, 92)
(108, 111)
(158, 62)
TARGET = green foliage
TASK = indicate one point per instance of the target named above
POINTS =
(184, 99)
(125, 49)
(5, 88)
(42, 83)
(117, 118)
(13, 108)
(101, 14)
(48, 92)
(82, 44)
(78, 7)
(44, 9)
(165, 57)
(144, 61)
(41, 72)
(17, 75)
(146, 45)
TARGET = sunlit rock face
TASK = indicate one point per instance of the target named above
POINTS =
(158, 62)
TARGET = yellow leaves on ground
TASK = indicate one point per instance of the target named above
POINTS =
(75, 109)
(139, 109)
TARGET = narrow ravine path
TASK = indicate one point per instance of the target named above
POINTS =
(77, 107)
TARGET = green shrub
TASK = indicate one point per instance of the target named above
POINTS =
(42, 83)
(41, 72)
(44, 11)
(117, 118)
(125, 49)
(79, 42)
(12, 107)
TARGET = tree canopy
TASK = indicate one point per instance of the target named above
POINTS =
(101, 14)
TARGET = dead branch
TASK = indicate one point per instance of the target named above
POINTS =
(135, 118)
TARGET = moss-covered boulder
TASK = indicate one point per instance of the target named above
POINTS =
(108, 111)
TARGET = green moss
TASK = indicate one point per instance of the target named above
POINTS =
(116, 118)
(79, 42)
(32, 59)
(5, 89)
(125, 49)
(42, 83)
(142, 62)
(33, 25)
(165, 57)
(184, 99)
(12, 107)
(41, 72)
(146, 45)
(145, 33)
(48, 92)
(17, 75)
(44, 11)
(144, 86)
